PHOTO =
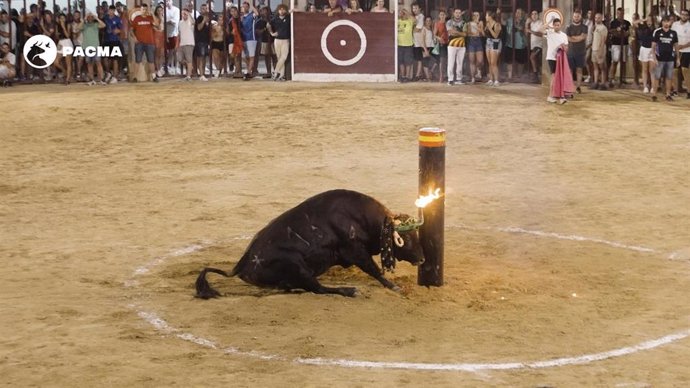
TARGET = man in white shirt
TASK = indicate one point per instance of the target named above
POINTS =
(8, 30)
(185, 51)
(536, 39)
(555, 40)
(172, 20)
(682, 28)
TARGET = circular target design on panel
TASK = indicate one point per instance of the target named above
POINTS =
(327, 52)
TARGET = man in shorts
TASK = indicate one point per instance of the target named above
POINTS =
(405, 44)
(142, 25)
(599, 35)
(620, 31)
(185, 52)
(555, 40)
(536, 39)
(172, 20)
(113, 27)
(418, 38)
(665, 45)
(682, 28)
(577, 36)
(202, 30)
(248, 28)
(92, 25)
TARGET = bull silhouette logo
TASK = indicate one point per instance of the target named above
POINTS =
(40, 51)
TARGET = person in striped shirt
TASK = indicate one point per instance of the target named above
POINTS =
(456, 47)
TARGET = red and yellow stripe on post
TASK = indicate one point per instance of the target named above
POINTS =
(432, 137)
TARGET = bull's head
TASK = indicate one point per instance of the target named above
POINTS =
(400, 241)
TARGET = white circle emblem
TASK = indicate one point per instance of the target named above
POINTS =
(40, 51)
(327, 53)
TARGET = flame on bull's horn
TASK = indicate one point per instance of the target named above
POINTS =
(424, 200)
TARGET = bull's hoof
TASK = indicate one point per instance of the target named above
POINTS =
(350, 292)
(396, 289)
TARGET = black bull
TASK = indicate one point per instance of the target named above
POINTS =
(338, 227)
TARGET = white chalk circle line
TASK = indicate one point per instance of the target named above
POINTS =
(164, 327)
(324, 43)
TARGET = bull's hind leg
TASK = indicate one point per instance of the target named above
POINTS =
(296, 275)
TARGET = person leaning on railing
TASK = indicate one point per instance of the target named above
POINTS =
(279, 28)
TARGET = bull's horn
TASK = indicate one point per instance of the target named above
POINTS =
(398, 240)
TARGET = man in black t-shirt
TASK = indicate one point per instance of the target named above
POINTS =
(577, 47)
(279, 28)
(665, 46)
(619, 30)
(202, 30)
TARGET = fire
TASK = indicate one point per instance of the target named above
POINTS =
(424, 200)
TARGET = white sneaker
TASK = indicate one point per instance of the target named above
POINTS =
(497, 84)
(489, 83)
(202, 78)
(160, 72)
(646, 90)
(459, 82)
(586, 80)
(92, 83)
(551, 99)
(113, 80)
(187, 78)
(102, 83)
(108, 76)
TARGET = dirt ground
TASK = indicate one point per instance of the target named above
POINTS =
(111, 200)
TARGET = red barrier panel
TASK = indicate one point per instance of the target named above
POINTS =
(357, 47)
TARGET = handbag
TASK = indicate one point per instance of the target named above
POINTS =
(437, 49)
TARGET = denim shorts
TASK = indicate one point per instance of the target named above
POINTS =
(141, 48)
(664, 69)
(475, 44)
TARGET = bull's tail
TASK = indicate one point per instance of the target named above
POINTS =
(203, 289)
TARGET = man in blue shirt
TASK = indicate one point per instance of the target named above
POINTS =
(248, 21)
(113, 26)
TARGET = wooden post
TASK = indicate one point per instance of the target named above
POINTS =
(432, 176)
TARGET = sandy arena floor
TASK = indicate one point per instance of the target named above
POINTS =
(567, 250)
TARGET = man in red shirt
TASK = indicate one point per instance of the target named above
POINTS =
(142, 25)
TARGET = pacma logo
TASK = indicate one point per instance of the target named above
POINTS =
(40, 51)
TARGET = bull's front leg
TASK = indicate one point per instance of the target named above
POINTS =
(363, 260)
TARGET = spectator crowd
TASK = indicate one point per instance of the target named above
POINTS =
(185, 42)
(457, 47)
(462, 46)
